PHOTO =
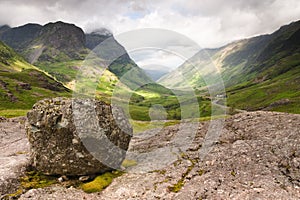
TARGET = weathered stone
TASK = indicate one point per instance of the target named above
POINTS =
(14, 154)
(24, 86)
(256, 157)
(84, 178)
(76, 137)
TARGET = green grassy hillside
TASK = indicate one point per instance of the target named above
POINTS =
(22, 84)
(281, 92)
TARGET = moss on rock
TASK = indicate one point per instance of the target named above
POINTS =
(100, 182)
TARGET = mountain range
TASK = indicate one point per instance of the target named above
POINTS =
(58, 51)
(59, 42)
(262, 72)
(258, 73)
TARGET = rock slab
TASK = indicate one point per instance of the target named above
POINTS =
(76, 136)
(14, 154)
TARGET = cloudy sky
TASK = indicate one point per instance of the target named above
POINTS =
(210, 23)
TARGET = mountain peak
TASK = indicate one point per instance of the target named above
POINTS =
(102, 31)
(96, 37)
(5, 26)
(58, 24)
(56, 32)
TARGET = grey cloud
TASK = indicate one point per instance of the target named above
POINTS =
(216, 7)
(211, 23)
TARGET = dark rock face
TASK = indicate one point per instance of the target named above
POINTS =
(95, 38)
(20, 37)
(61, 35)
(57, 41)
(78, 137)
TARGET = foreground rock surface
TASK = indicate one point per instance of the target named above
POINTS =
(78, 137)
(14, 153)
(256, 157)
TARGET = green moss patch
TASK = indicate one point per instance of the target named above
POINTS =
(34, 179)
(100, 182)
(13, 195)
(31, 180)
(180, 183)
(177, 186)
(9, 113)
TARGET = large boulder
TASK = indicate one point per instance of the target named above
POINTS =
(77, 136)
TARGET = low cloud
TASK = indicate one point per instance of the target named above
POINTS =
(211, 23)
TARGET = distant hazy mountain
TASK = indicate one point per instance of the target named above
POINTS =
(156, 72)
(258, 72)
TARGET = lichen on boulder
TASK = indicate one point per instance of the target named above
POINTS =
(77, 136)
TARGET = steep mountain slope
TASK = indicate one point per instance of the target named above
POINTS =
(53, 42)
(244, 59)
(59, 48)
(4, 28)
(20, 37)
(259, 73)
(48, 46)
(22, 84)
(110, 49)
(10, 60)
(96, 37)
(57, 42)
